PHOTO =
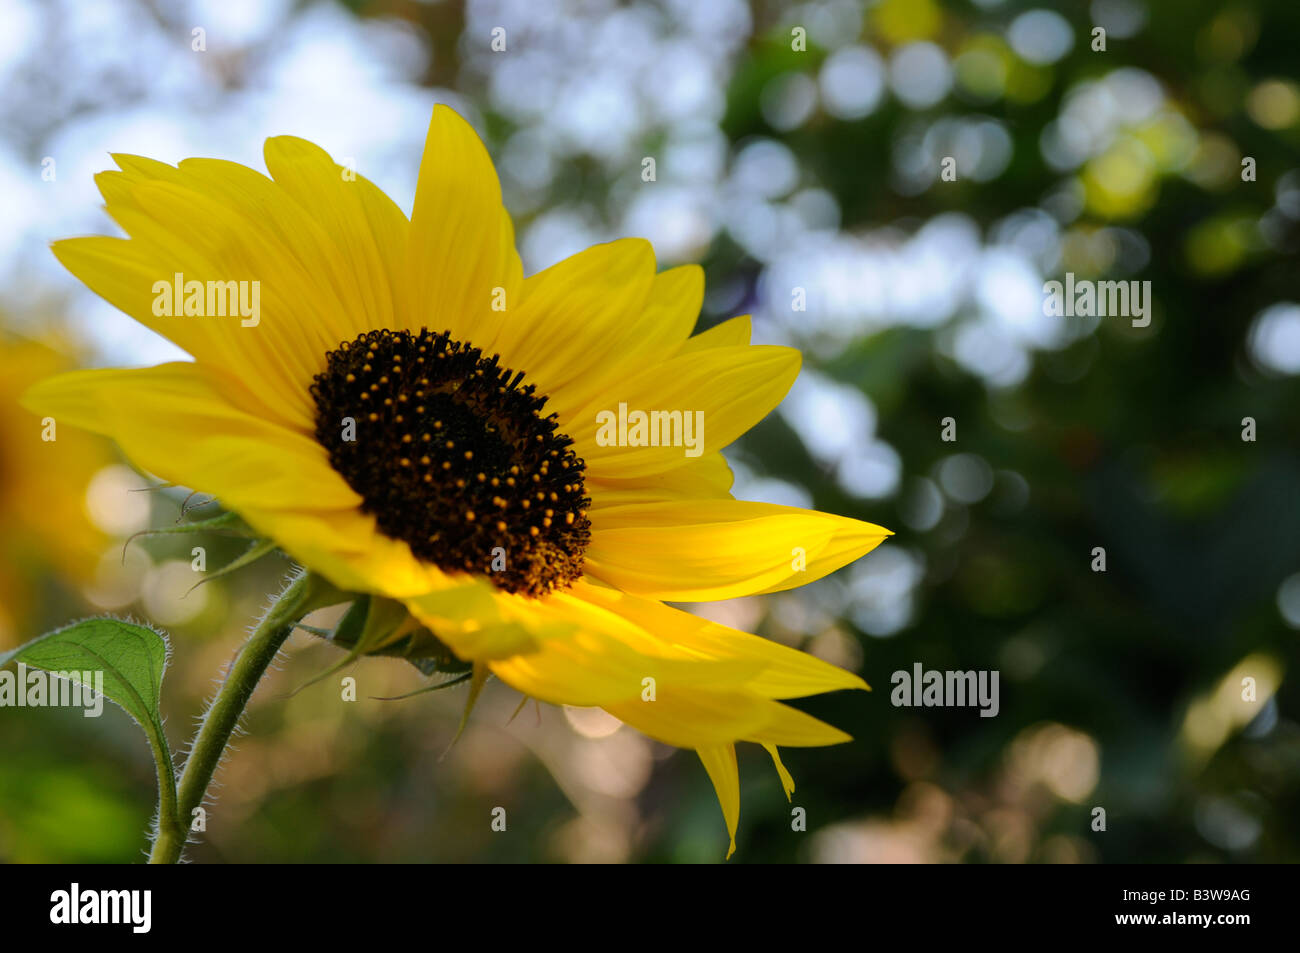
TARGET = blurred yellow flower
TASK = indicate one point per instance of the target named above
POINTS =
(42, 490)
(494, 476)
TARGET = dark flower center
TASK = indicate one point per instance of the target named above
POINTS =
(450, 453)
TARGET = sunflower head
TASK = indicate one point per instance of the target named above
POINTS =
(411, 418)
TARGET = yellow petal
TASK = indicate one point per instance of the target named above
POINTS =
(346, 547)
(579, 318)
(192, 426)
(461, 248)
(795, 729)
(671, 310)
(688, 718)
(782, 672)
(729, 333)
(253, 233)
(733, 387)
(644, 336)
(720, 762)
(681, 691)
(123, 273)
(787, 782)
(311, 293)
(691, 718)
(366, 226)
(588, 656)
(702, 550)
(707, 477)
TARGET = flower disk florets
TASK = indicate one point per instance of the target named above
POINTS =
(451, 453)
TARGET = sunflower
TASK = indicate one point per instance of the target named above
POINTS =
(408, 416)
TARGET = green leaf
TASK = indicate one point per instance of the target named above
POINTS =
(131, 657)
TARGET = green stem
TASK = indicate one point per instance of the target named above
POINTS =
(169, 824)
(303, 594)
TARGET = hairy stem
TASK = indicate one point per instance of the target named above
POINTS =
(301, 596)
(169, 823)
